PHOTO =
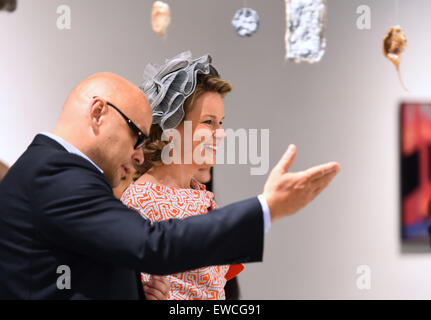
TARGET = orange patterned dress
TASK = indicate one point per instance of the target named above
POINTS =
(156, 202)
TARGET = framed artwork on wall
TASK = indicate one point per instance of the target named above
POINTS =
(415, 138)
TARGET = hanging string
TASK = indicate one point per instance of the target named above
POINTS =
(397, 12)
(397, 22)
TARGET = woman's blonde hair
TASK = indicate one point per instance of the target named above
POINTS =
(154, 145)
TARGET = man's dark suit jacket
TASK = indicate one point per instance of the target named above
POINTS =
(57, 209)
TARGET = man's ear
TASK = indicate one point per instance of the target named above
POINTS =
(98, 109)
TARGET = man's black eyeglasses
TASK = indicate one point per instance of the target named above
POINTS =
(141, 136)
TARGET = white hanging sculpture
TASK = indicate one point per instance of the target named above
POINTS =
(305, 30)
(246, 22)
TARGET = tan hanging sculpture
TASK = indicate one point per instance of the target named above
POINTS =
(8, 5)
(305, 30)
(160, 17)
(394, 44)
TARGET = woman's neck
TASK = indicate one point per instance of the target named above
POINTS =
(173, 175)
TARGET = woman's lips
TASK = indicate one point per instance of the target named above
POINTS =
(211, 147)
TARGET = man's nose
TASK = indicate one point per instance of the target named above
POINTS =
(138, 156)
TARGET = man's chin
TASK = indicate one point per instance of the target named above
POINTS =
(114, 182)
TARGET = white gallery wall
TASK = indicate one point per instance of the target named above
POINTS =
(344, 108)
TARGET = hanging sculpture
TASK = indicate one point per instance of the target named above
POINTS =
(160, 17)
(8, 5)
(305, 30)
(394, 44)
(246, 22)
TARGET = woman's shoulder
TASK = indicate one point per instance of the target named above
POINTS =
(145, 196)
(144, 186)
(147, 178)
(149, 196)
(151, 184)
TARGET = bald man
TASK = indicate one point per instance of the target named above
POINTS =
(63, 234)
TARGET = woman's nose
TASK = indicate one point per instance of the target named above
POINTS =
(138, 156)
(220, 134)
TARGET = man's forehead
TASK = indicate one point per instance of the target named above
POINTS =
(145, 121)
(141, 110)
(146, 129)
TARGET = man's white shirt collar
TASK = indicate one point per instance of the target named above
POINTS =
(70, 148)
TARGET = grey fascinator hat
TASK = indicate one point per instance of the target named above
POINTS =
(168, 86)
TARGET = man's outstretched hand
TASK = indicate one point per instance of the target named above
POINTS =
(288, 192)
